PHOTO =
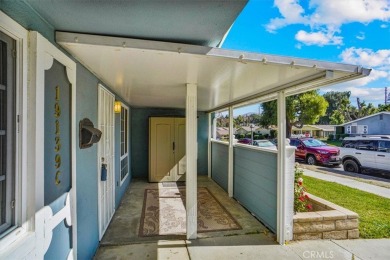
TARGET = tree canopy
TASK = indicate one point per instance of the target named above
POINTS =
(306, 108)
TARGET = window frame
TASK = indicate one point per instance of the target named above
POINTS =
(23, 189)
(385, 148)
(360, 144)
(124, 156)
(10, 141)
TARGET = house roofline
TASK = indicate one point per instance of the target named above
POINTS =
(383, 112)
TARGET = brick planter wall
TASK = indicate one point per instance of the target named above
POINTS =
(328, 221)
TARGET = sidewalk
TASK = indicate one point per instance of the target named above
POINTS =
(250, 247)
(380, 191)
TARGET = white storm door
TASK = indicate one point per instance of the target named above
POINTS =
(106, 189)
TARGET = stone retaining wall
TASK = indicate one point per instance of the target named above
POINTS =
(329, 221)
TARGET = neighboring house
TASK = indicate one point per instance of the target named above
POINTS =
(376, 124)
(242, 130)
(60, 184)
(317, 131)
(262, 130)
(256, 130)
(223, 133)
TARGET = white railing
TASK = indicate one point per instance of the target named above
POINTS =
(46, 221)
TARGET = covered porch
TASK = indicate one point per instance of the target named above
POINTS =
(166, 71)
(205, 80)
(129, 220)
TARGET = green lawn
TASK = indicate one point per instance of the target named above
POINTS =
(373, 210)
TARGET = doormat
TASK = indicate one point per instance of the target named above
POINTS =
(164, 213)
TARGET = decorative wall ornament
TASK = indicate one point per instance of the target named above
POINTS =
(88, 134)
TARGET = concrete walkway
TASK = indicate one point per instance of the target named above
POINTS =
(380, 191)
(250, 247)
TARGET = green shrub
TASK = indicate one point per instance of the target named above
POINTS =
(273, 133)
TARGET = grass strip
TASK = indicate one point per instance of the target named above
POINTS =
(373, 210)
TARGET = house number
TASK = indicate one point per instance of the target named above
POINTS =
(57, 138)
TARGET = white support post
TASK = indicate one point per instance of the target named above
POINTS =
(230, 162)
(281, 204)
(209, 148)
(191, 157)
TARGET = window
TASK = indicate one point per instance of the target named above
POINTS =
(369, 145)
(381, 117)
(357, 129)
(348, 144)
(384, 146)
(221, 126)
(7, 132)
(124, 159)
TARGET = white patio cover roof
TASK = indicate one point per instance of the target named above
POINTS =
(155, 74)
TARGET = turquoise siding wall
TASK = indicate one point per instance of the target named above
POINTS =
(86, 106)
(87, 175)
(87, 190)
(140, 138)
(255, 174)
(219, 164)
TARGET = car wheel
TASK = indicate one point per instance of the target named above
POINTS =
(311, 160)
(351, 166)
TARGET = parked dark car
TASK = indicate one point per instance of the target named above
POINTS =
(245, 141)
(313, 151)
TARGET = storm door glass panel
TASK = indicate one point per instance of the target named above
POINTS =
(7, 129)
(124, 160)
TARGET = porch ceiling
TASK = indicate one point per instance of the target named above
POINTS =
(186, 21)
(154, 74)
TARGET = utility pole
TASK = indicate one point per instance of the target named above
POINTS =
(386, 97)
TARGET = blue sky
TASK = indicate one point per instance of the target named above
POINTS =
(346, 31)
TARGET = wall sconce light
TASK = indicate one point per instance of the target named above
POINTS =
(117, 107)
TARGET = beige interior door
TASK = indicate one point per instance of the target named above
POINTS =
(166, 149)
(161, 155)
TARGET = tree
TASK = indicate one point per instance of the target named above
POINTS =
(383, 108)
(238, 121)
(338, 109)
(362, 110)
(222, 121)
(306, 108)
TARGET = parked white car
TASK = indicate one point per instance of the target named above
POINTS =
(366, 152)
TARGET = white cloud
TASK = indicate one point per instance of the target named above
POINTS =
(369, 95)
(370, 88)
(374, 75)
(318, 38)
(378, 60)
(337, 12)
(366, 57)
(361, 36)
(291, 12)
(327, 16)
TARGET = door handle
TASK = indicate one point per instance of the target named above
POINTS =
(380, 155)
(103, 175)
(173, 146)
(358, 153)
